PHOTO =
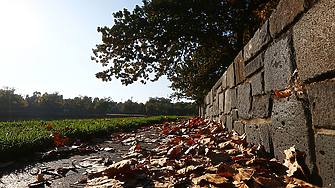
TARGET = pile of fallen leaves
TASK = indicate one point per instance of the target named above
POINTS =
(194, 153)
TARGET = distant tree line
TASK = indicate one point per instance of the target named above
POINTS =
(54, 103)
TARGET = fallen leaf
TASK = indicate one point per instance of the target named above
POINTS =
(212, 178)
(39, 177)
(291, 163)
(283, 94)
(269, 182)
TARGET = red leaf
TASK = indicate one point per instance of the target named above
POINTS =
(190, 142)
(166, 132)
(225, 174)
(49, 127)
(172, 153)
(283, 94)
(59, 139)
(138, 148)
(177, 139)
(196, 135)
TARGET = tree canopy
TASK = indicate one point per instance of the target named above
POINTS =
(55, 104)
(190, 41)
(9, 99)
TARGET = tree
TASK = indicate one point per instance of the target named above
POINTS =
(158, 105)
(104, 105)
(50, 102)
(80, 104)
(31, 100)
(129, 106)
(190, 41)
(9, 99)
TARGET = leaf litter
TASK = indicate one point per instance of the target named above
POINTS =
(192, 152)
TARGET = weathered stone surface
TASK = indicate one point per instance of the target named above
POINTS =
(284, 15)
(207, 102)
(325, 149)
(244, 100)
(239, 127)
(290, 127)
(215, 108)
(227, 102)
(257, 84)
(223, 119)
(217, 104)
(218, 84)
(221, 103)
(234, 114)
(210, 113)
(214, 93)
(230, 100)
(239, 68)
(260, 39)
(314, 40)
(278, 65)
(230, 120)
(254, 65)
(229, 123)
(322, 103)
(265, 130)
(210, 98)
(224, 80)
(253, 135)
(233, 98)
(230, 76)
(261, 107)
(207, 112)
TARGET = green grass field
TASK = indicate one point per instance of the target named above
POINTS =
(29, 134)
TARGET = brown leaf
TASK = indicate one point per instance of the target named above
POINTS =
(243, 174)
(173, 152)
(211, 178)
(217, 156)
(227, 145)
(267, 181)
(119, 167)
(283, 94)
(158, 162)
(104, 182)
(290, 161)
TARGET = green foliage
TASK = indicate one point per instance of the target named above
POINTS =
(81, 104)
(190, 41)
(164, 106)
(133, 107)
(33, 133)
(50, 101)
(104, 105)
(55, 104)
(8, 99)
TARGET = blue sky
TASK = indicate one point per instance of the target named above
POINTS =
(46, 45)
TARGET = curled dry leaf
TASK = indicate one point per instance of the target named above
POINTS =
(192, 152)
(269, 182)
(283, 94)
(291, 163)
(211, 178)
(294, 86)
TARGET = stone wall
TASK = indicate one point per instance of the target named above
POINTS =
(300, 34)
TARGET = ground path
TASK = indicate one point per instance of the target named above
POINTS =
(185, 153)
